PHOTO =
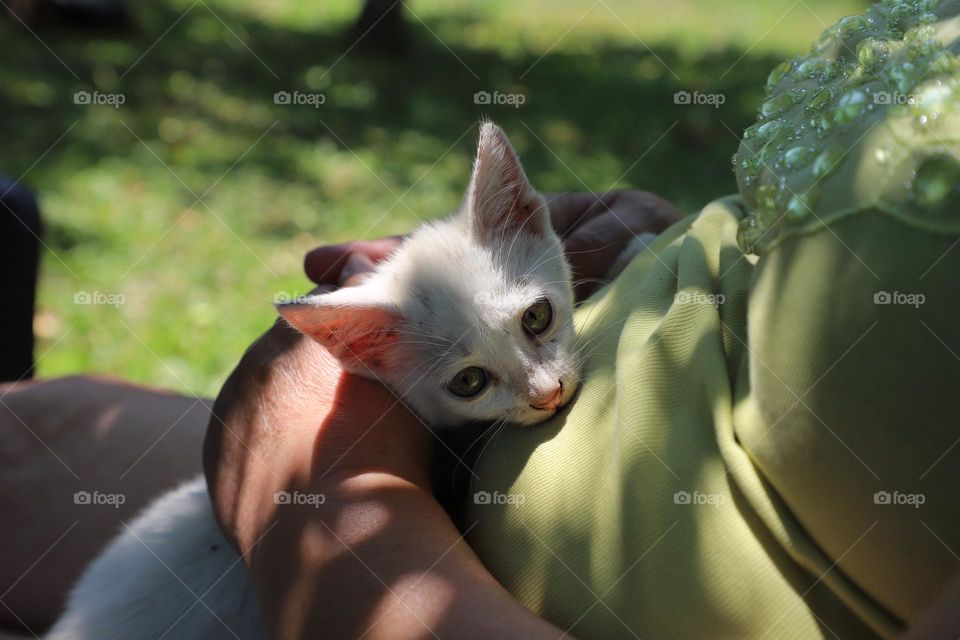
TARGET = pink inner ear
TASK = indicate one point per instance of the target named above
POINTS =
(370, 349)
(361, 337)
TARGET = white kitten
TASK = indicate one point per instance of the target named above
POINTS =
(471, 319)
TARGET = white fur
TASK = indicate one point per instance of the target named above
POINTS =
(451, 297)
(170, 574)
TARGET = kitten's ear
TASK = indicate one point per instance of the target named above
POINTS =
(500, 198)
(351, 323)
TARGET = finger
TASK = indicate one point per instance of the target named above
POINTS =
(356, 269)
(602, 237)
(323, 264)
(594, 246)
(567, 210)
(570, 211)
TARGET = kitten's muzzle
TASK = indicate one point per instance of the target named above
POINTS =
(551, 401)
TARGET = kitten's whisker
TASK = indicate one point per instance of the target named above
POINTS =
(438, 339)
(409, 342)
(513, 242)
(595, 323)
(466, 452)
(584, 251)
(556, 282)
(530, 271)
(566, 254)
(599, 330)
(424, 333)
(589, 281)
(489, 440)
(493, 425)
(423, 337)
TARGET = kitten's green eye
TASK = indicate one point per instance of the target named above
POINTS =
(537, 317)
(468, 382)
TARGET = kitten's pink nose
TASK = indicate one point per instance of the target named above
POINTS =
(550, 401)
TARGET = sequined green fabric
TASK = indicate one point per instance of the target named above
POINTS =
(869, 119)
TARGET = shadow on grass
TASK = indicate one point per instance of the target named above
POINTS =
(589, 120)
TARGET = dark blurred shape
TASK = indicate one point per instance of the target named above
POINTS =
(380, 27)
(20, 231)
(82, 15)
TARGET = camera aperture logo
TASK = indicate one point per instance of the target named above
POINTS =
(99, 298)
(114, 100)
(896, 98)
(697, 498)
(299, 98)
(511, 499)
(899, 298)
(298, 498)
(96, 498)
(697, 99)
(896, 498)
(515, 100)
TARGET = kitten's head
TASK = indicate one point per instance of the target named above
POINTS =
(472, 317)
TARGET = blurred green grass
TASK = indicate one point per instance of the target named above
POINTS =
(391, 146)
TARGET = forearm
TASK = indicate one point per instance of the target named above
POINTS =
(380, 559)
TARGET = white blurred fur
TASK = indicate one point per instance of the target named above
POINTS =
(170, 574)
(450, 297)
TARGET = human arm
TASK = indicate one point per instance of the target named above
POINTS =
(379, 554)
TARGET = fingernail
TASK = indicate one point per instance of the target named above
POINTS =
(357, 263)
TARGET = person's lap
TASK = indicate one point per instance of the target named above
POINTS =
(80, 434)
